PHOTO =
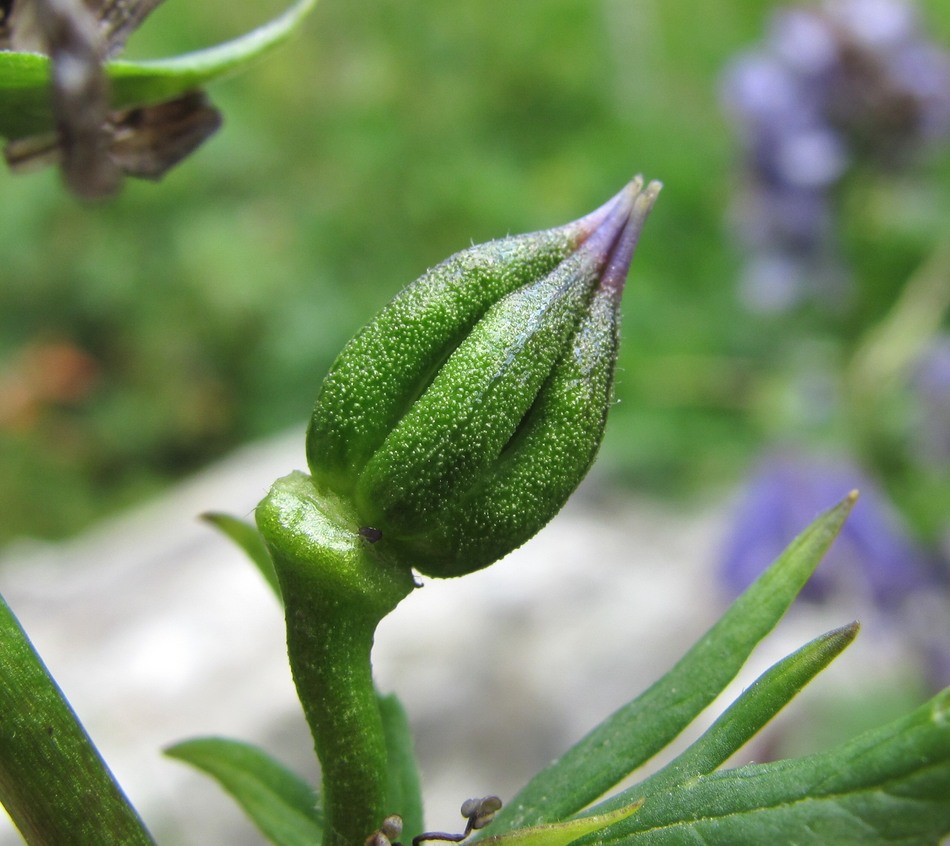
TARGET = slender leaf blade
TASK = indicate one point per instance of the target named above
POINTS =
(278, 801)
(249, 539)
(138, 83)
(885, 787)
(405, 793)
(640, 729)
(53, 782)
(761, 701)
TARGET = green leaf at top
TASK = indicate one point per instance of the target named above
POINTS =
(25, 107)
(643, 727)
(278, 801)
(25, 77)
(887, 787)
(136, 83)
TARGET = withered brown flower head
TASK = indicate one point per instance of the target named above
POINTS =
(94, 144)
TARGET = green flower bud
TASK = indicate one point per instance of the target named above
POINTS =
(461, 418)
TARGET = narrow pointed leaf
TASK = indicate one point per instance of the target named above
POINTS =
(135, 83)
(640, 729)
(405, 794)
(280, 803)
(53, 783)
(246, 536)
(887, 786)
(25, 77)
(761, 701)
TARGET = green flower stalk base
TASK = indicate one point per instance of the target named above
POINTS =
(336, 590)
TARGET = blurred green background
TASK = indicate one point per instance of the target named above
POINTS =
(198, 314)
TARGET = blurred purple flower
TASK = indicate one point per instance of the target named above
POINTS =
(847, 82)
(873, 556)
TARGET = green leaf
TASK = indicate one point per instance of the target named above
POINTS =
(761, 701)
(25, 107)
(405, 794)
(643, 727)
(560, 834)
(53, 783)
(246, 536)
(887, 786)
(278, 801)
(25, 77)
(135, 83)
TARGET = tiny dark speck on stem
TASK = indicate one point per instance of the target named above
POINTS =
(370, 535)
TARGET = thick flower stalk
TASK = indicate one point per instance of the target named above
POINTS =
(448, 432)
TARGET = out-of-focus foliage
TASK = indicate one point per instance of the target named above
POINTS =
(203, 312)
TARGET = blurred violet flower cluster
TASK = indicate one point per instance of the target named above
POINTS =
(834, 86)
(874, 558)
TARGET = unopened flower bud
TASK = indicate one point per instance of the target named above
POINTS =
(462, 417)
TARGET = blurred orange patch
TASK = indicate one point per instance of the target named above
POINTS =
(41, 375)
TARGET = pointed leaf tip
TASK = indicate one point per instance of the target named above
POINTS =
(281, 804)
(248, 538)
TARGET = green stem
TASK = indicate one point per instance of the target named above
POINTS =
(330, 659)
(336, 589)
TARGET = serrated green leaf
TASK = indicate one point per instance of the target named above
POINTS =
(278, 801)
(405, 794)
(643, 727)
(53, 783)
(25, 77)
(886, 787)
(246, 536)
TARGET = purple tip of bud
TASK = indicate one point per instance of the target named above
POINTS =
(610, 233)
(640, 201)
